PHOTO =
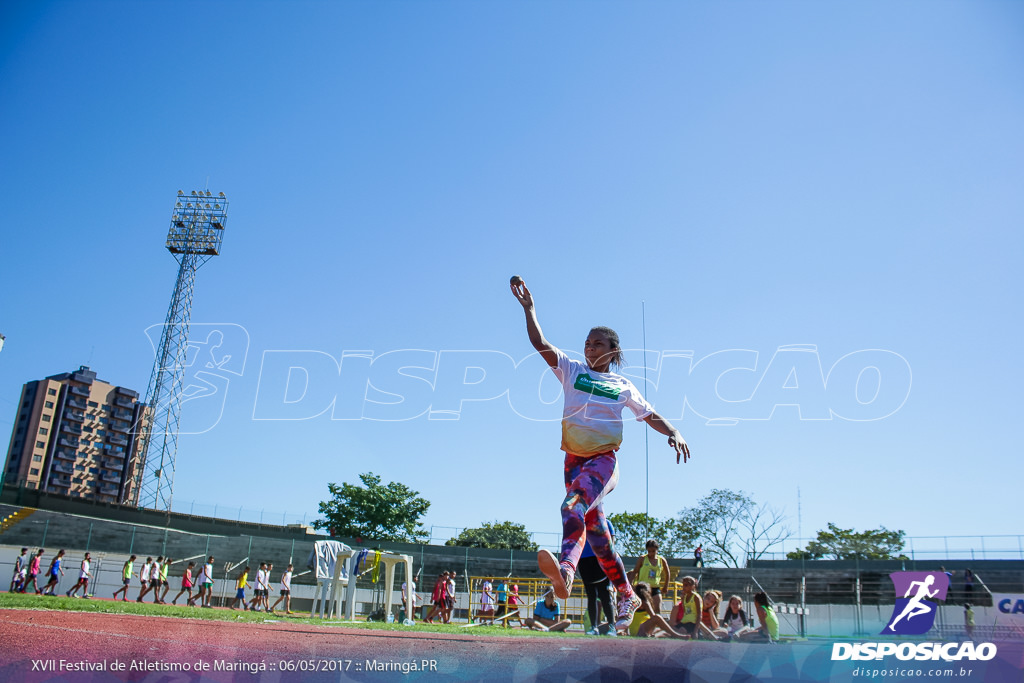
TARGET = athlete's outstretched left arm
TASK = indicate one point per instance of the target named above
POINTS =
(675, 439)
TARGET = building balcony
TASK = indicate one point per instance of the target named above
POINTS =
(123, 414)
(71, 428)
(113, 478)
(107, 490)
(69, 441)
(124, 402)
(76, 416)
(127, 392)
(78, 391)
(112, 465)
(119, 440)
(83, 377)
(78, 403)
(118, 427)
(56, 480)
(113, 451)
(61, 467)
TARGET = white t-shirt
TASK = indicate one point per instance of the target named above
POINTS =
(405, 594)
(154, 571)
(486, 596)
(286, 581)
(84, 574)
(592, 413)
(144, 573)
(262, 579)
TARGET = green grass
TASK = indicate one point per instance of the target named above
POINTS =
(62, 603)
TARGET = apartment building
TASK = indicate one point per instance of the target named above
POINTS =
(75, 434)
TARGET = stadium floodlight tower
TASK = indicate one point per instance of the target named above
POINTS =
(195, 236)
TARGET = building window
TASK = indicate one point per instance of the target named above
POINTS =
(34, 471)
(43, 431)
(46, 418)
(51, 392)
(40, 444)
(80, 468)
(94, 404)
(49, 404)
(87, 429)
(106, 407)
(101, 432)
(37, 458)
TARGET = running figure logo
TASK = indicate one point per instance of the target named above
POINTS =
(215, 355)
(914, 613)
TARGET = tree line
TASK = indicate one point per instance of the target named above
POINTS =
(731, 526)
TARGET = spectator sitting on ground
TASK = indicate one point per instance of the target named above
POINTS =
(734, 619)
(768, 631)
(709, 626)
(686, 614)
(647, 623)
(547, 615)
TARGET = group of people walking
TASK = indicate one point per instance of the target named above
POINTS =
(153, 580)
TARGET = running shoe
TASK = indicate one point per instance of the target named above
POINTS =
(626, 608)
(594, 632)
(560, 576)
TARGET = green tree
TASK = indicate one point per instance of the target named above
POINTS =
(633, 530)
(374, 511)
(496, 535)
(734, 527)
(847, 544)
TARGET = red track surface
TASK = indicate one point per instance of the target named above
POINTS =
(35, 643)
(301, 652)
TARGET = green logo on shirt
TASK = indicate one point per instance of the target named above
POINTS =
(606, 389)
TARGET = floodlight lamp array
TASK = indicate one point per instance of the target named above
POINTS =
(197, 223)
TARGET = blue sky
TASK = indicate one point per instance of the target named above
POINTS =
(746, 176)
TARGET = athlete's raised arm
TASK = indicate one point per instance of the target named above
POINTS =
(522, 294)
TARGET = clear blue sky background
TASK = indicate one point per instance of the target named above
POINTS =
(846, 175)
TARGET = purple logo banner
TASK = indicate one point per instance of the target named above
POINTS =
(916, 593)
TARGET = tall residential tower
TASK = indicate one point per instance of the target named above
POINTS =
(75, 434)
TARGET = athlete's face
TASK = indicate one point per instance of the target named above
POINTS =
(598, 351)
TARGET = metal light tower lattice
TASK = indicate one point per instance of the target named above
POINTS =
(195, 236)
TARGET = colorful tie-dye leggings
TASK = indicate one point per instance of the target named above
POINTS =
(587, 482)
